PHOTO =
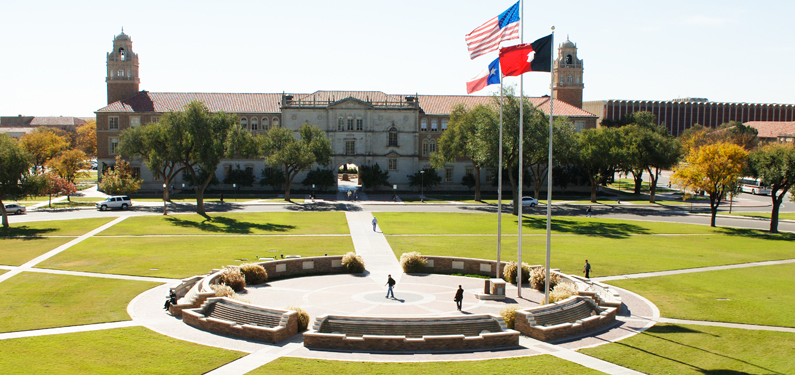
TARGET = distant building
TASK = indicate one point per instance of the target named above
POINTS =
(16, 126)
(770, 131)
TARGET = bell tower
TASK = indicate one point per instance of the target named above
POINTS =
(567, 71)
(122, 76)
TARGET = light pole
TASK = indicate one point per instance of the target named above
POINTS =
(313, 192)
(394, 193)
(234, 187)
(422, 186)
(164, 199)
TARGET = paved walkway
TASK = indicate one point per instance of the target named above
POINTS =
(692, 270)
(373, 247)
(70, 329)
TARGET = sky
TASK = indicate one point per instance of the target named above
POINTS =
(52, 53)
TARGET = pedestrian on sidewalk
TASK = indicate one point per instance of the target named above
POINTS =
(587, 269)
(391, 283)
(459, 297)
(222, 197)
(588, 212)
(349, 195)
(375, 223)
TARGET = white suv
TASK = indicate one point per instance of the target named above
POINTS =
(121, 201)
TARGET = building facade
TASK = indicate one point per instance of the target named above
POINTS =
(397, 132)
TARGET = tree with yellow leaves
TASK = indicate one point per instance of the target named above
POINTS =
(86, 138)
(43, 145)
(712, 169)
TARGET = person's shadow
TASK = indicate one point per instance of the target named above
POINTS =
(399, 300)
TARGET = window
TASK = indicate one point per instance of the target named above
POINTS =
(114, 143)
(121, 54)
(254, 123)
(350, 147)
(155, 119)
(568, 59)
(265, 124)
(444, 124)
(113, 123)
(121, 72)
(432, 146)
(448, 174)
(393, 138)
(340, 124)
(275, 122)
(434, 125)
(135, 121)
(570, 78)
(579, 126)
(424, 125)
(359, 124)
(392, 164)
(244, 122)
(425, 148)
(350, 123)
(136, 172)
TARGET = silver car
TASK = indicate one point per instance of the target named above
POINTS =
(122, 201)
(17, 209)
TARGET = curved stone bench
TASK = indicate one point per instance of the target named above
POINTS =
(572, 316)
(471, 332)
(199, 292)
(244, 320)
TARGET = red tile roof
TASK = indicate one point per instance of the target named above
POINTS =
(772, 129)
(269, 103)
(57, 121)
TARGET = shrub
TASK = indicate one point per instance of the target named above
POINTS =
(253, 273)
(412, 262)
(538, 279)
(508, 314)
(303, 317)
(233, 278)
(353, 263)
(562, 291)
(222, 290)
(509, 272)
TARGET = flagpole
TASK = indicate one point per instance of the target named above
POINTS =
(499, 188)
(518, 203)
(549, 169)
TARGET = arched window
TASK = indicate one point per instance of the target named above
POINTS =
(121, 54)
(434, 125)
(254, 123)
(570, 78)
(444, 124)
(121, 72)
(265, 124)
(275, 122)
(568, 59)
(244, 122)
(424, 124)
(425, 147)
(432, 146)
(393, 137)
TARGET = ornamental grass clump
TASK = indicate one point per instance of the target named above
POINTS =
(562, 291)
(353, 263)
(413, 262)
(226, 291)
(509, 272)
(303, 317)
(508, 314)
(253, 273)
(538, 279)
(232, 277)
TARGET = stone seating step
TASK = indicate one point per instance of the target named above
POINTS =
(409, 329)
(568, 314)
(240, 316)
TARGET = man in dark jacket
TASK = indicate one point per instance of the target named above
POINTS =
(459, 297)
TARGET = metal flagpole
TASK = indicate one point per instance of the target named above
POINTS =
(518, 203)
(499, 188)
(549, 168)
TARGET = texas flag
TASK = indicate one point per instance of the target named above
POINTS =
(487, 77)
(522, 58)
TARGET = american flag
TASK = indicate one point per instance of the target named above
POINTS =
(488, 36)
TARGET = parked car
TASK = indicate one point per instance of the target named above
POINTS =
(16, 208)
(121, 201)
(528, 201)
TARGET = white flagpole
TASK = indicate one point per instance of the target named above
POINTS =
(499, 187)
(549, 168)
(518, 203)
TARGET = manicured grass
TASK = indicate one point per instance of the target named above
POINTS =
(690, 349)
(178, 257)
(483, 223)
(16, 251)
(764, 215)
(33, 300)
(757, 295)
(609, 255)
(235, 223)
(134, 350)
(76, 227)
(72, 204)
(542, 364)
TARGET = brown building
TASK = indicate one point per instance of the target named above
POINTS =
(16, 126)
(770, 131)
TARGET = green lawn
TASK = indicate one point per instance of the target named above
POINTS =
(76, 227)
(33, 300)
(235, 223)
(690, 349)
(757, 295)
(178, 257)
(610, 255)
(65, 204)
(764, 215)
(484, 223)
(16, 251)
(542, 364)
(134, 350)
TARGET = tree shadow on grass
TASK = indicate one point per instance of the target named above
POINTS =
(591, 228)
(756, 233)
(228, 225)
(24, 231)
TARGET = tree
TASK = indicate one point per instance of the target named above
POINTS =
(712, 169)
(57, 185)
(86, 138)
(664, 151)
(469, 181)
(774, 165)
(273, 177)
(15, 178)
(281, 147)
(428, 180)
(598, 156)
(645, 147)
(460, 140)
(119, 179)
(43, 145)
(70, 165)
(373, 176)
(240, 177)
(323, 179)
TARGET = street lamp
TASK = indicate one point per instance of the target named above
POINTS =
(313, 192)
(234, 187)
(164, 200)
(394, 192)
(422, 186)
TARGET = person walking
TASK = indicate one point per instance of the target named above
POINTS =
(588, 212)
(391, 283)
(587, 269)
(375, 223)
(459, 297)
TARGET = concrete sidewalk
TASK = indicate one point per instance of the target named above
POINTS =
(373, 247)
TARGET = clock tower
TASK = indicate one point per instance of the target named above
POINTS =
(122, 75)
(567, 71)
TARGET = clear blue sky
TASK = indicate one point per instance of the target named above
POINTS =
(52, 53)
